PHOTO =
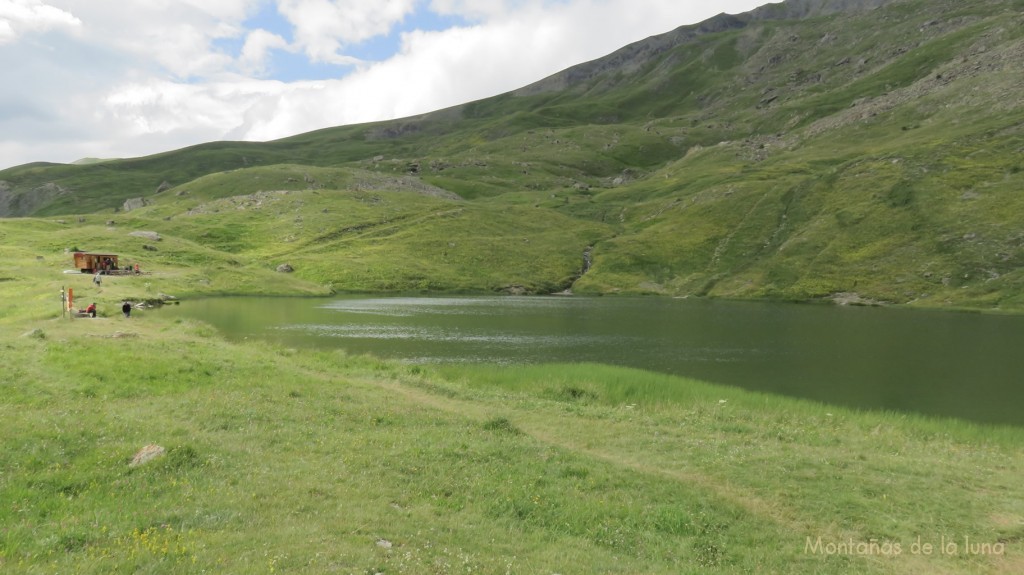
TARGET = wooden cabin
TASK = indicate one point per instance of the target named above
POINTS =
(89, 263)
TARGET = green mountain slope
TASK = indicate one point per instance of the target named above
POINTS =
(867, 148)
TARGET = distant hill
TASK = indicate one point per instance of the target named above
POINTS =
(859, 150)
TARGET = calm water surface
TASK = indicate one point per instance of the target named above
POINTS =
(955, 364)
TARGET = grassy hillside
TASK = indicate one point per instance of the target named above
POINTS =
(799, 152)
(370, 233)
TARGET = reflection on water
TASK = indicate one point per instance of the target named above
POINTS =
(964, 365)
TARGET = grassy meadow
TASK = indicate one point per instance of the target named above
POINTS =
(281, 460)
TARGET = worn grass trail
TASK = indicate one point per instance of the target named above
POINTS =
(578, 435)
(792, 491)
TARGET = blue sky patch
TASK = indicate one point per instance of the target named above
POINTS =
(290, 67)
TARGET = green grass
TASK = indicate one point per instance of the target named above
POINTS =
(301, 461)
(284, 460)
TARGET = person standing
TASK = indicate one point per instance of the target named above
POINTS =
(96, 279)
(126, 309)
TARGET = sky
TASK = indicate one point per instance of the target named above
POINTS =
(128, 78)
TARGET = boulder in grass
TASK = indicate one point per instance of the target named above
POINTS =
(134, 204)
(147, 454)
(285, 269)
(152, 236)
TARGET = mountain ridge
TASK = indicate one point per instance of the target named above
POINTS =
(803, 150)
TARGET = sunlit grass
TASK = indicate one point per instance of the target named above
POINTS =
(282, 460)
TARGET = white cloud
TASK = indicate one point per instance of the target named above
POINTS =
(470, 9)
(146, 76)
(256, 51)
(220, 10)
(324, 27)
(161, 37)
(6, 32)
(26, 16)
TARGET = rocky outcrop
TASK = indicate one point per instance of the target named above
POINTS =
(5, 199)
(134, 204)
(14, 204)
(853, 298)
(393, 130)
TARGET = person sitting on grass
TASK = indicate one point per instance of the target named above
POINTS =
(91, 310)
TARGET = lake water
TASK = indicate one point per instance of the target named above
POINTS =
(953, 364)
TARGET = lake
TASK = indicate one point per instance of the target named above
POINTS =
(964, 365)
